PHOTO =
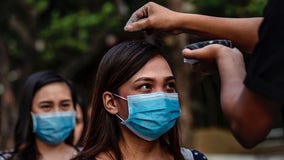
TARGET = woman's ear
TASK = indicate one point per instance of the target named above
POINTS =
(110, 103)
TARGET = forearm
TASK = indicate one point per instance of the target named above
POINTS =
(249, 124)
(250, 115)
(242, 31)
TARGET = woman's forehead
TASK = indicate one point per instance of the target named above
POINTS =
(155, 67)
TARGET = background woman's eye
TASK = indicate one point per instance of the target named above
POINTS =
(66, 105)
(45, 107)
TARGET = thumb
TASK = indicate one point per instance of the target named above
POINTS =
(129, 25)
(194, 54)
(137, 20)
(135, 24)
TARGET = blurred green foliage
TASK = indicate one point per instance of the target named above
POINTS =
(73, 32)
(232, 8)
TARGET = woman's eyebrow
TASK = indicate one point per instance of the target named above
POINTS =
(45, 101)
(170, 78)
(152, 79)
(66, 100)
(144, 79)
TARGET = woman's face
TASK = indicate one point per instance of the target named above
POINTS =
(53, 97)
(154, 76)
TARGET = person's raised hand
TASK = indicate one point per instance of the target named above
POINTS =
(151, 17)
(230, 61)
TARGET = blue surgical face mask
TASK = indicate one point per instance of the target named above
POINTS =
(151, 115)
(53, 128)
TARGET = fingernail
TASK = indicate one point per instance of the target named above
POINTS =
(185, 50)
(128, 27)
(125, 28)
(236, 49)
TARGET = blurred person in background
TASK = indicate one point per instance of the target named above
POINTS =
(81, 122)
(46, 119)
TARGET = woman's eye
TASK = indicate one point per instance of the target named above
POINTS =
(145, 86)
(66, 105)
(45, 107)
(171, 86)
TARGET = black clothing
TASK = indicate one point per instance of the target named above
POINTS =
(265, 74)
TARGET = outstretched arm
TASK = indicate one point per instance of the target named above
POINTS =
(249, 114)
(242, 31)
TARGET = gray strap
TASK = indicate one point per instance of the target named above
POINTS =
(187, 154)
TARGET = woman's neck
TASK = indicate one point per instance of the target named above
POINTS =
(60, 151)
(133, 147)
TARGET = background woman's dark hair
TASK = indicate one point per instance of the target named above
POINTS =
(25, 147)
(84, 108)
(118, 65)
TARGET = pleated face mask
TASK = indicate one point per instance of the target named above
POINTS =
(151, 115)
(53, 128)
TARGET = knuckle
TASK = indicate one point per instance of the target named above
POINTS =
(150, 3)
(148, 21)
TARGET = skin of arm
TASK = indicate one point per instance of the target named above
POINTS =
(242, 31)
(250, 115)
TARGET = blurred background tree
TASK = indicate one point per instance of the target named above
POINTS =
(71, 37)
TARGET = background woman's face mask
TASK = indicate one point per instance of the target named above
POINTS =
(53, 128)
(151, 115)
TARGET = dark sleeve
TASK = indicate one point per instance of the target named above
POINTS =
(265, 74)
(198, 155)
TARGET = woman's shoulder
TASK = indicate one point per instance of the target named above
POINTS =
(6, 154)
(192, 154)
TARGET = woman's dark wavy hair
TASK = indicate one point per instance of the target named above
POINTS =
(25, 147)
(118, 65)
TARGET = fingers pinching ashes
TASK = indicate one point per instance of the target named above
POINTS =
(129, 25)
(136, 19)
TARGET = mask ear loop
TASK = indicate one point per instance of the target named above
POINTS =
(116, 95)
(119, 117)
